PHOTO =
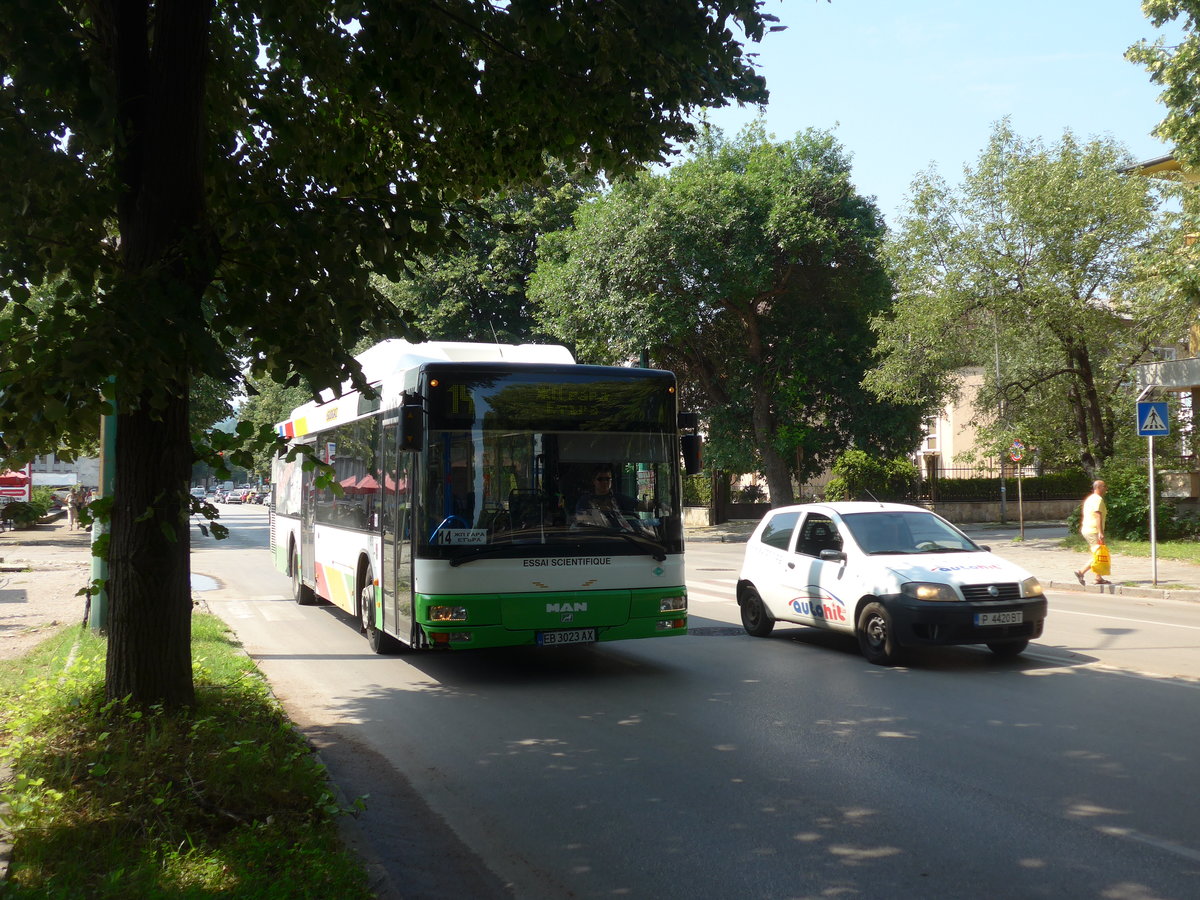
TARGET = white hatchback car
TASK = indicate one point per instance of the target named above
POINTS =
(893, 575)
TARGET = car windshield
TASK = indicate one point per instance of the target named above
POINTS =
(901, 531)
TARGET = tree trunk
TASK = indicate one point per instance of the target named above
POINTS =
(159, 60)
(775, 467)
(150, 616)
(1095, 440)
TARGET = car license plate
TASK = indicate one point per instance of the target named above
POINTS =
(569, 636)
(1016, 617)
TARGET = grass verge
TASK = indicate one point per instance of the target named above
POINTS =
(105, 800)
(1184, 551)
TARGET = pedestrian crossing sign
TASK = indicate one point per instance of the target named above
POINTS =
(1153, 419)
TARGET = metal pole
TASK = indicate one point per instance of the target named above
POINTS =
(1153, 517)
(1020, 502)
(98, 612)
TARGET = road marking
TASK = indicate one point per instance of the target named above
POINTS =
(710, 592)
(1168, 846)
(281, 613)
(1093, 615)
(1076, 661)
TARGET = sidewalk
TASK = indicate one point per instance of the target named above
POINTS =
(42, 569)
(1042, 554)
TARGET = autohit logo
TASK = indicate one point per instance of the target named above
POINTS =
(820, 604)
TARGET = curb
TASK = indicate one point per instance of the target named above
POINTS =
(1191, 595)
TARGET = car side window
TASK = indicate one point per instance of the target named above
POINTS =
(778, 532)
(816, 534)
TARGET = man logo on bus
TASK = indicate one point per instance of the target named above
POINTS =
(566, 607)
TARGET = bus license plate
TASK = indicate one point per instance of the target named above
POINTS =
(570, 636)
(1000, 618)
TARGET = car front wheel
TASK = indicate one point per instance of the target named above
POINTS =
(755, 618)
(876, 637)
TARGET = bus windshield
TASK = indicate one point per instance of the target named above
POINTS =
(519, 465)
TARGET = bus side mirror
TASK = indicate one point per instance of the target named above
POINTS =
(692, 446)
(412, 427)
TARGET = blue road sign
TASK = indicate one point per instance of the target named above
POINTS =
(1153, 419)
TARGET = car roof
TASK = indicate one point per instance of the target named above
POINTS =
(846, 507)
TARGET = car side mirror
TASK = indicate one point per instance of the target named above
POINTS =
(833, 556)
(985, 548)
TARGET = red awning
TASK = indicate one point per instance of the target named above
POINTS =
(13, 479)
(364, 485)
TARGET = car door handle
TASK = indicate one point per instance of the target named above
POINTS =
(791, 565)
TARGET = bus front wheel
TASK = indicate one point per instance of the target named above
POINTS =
(378, 640)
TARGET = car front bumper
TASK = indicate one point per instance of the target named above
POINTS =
(916, 622)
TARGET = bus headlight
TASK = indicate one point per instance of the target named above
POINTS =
(672, 604)
(928, 590)
(448, 613)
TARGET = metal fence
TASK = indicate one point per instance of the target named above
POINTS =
(982, 483)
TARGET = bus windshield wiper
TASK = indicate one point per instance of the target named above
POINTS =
(494, 550)
(649, 546)
(652, 547)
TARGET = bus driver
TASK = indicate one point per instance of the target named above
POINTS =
(602, 506)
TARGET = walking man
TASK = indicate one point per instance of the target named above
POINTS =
(1091, 527)
(74, 502)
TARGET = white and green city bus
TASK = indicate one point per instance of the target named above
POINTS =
(462, 519)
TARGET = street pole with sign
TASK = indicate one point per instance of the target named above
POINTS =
(1016, 453)
(1153, 420)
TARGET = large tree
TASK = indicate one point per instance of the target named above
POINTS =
(204, 176)
(478, 290)
(1040, 268)
(752, 271)
(1175, 66)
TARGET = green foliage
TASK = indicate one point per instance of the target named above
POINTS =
(1175, 66)
(860, 476)
(22, 514)
(751, 271)
(223, 799)
(697, 490)
(478, 292)
(1128, 502)
(751, 493)
(43, 496)
(1040, 269)
(318, 172)
(269, 404)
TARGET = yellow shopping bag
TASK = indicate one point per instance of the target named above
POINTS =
(1101, 561)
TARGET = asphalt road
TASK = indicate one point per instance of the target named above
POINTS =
(720, 765)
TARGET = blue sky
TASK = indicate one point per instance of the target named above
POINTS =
(904, 84)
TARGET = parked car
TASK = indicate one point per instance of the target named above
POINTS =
(894, 576)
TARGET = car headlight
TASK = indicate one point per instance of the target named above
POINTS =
(928, 590)
(1031, 587)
